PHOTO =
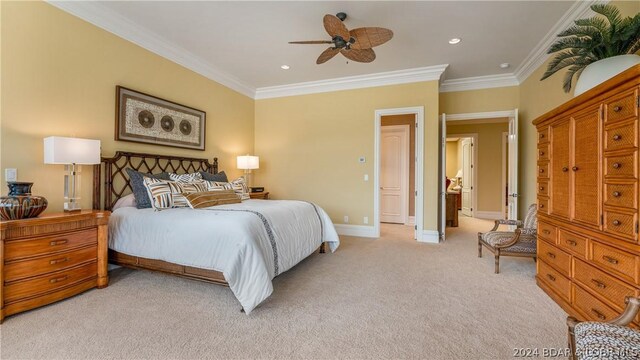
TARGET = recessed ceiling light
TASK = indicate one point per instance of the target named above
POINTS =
(454, 41)
(285, 67)
(504, 65)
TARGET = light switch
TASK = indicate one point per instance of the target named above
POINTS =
(366, 177)
(362, 159)
(11, 174)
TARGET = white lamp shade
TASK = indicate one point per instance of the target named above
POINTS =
(64, 150)
(248, 162)
(459, 174)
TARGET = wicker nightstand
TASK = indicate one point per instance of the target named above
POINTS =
(260, 195)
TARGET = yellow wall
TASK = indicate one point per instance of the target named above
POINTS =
(472, 101)
(489, 168)
(311, 143)
(58, 78)
(452, 159)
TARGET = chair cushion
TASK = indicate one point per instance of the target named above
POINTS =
(531, 218)
(596, 340)
(525, 244)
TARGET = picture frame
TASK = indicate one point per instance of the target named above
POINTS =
(145, 118)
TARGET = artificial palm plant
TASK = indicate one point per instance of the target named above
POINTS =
(593, 39)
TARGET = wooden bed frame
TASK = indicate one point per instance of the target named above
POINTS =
(115, 184)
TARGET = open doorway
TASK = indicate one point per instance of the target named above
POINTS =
(461, 173)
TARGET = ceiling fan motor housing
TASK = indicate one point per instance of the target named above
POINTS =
(342, 16)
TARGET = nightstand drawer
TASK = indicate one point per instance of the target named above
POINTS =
(49, 244)
(18, 290)
(45, 264)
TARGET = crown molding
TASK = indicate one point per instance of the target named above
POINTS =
(538, 55)
(104, 18)
(479, 82)
(429, 73)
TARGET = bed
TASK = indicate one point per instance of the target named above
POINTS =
(243, 246)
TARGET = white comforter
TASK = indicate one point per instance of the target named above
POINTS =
(250, 243)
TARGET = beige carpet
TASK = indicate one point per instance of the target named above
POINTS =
(384, 298)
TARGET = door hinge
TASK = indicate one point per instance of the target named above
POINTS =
(601, 219)
(415, 227)
(416, 193)
(472, 188)
(471, 209)
(416, 125)
(472, 166)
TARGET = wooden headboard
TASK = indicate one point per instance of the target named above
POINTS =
(116, 180)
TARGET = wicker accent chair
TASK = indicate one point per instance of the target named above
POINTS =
(612, 340)
(521, 242)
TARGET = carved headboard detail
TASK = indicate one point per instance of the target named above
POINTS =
(116, 180)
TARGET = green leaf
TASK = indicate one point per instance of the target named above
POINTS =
(609, 11)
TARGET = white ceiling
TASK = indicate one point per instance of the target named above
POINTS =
(248, 40)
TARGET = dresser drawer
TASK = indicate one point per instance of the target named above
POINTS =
(617, 261)
(622, 136)
(622, 106)
(602, 284)
(543, 152)
(543, 135)
(621, 224)
(621, 166)
(543, 170)
(573, 243)
(543, 188)
(558, 282)
(543, 204)
(547, 231)
(26, 268)
(555, 257)
(621, 195)
(18, 290)
(49, 244)
(591, 307)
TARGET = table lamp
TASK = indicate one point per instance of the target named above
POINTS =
(71, 152)
(248, 163)
(458, 180)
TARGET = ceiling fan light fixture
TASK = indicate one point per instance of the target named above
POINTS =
(455, 41)
(285, 67)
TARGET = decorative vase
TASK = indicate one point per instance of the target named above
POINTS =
(602, 70)
(20, 204)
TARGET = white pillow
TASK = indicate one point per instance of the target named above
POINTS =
(186, 178)
(125, 201)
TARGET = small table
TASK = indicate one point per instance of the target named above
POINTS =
(452, 209)
(264, 195)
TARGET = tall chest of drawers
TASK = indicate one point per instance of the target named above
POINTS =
(587, 189)
(51, 258)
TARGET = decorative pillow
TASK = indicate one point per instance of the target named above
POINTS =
(136, 179)
(125, 201)
(168, 194)
(185, 178)
(211, 198)
(219, 177)
(241, 188)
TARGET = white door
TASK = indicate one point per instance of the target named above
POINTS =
(467, 177)
(442, 224)
(512, 203)
(394, 174)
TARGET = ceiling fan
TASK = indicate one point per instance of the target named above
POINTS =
(355, 45)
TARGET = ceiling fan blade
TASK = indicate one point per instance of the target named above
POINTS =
(312, 42)
(359, 55)
(335, 27)
(368, 37)
(327, 55)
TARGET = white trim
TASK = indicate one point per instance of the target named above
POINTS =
(430, 236)
(428, 73)
(479, 82)
(481, 115)
(505, 164)
(538, 55)
(490, 215)
(412, 220)
(419, 169)
(356, 230)
(104, 18)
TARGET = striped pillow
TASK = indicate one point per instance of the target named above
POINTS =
(168, 194)
(186, 178)
(211, 198)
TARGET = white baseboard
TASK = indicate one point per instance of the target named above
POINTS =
(412, 220)
(491, 215)
(429, 236)
(355, 230)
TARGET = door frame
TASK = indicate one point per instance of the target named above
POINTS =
(406, 168)
(418, 111)
(474, 172)
(505, 165)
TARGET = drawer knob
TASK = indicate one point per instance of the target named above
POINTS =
(541, 153)
(572, 242)
(541, 171)
(541, 188)
(616, 194)
(575, 168)
(617, 137)
(616, 165)
(551, 255)
(541, 206)
(61, 278)
(541, 136)
(599, 314)
(58, 261)
(611, 260)
(617, 108)
(616, 222)
(58, 242)
(565, 169)
(551, 277)
(599, 284)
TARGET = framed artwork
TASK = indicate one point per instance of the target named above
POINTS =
(148, 119)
